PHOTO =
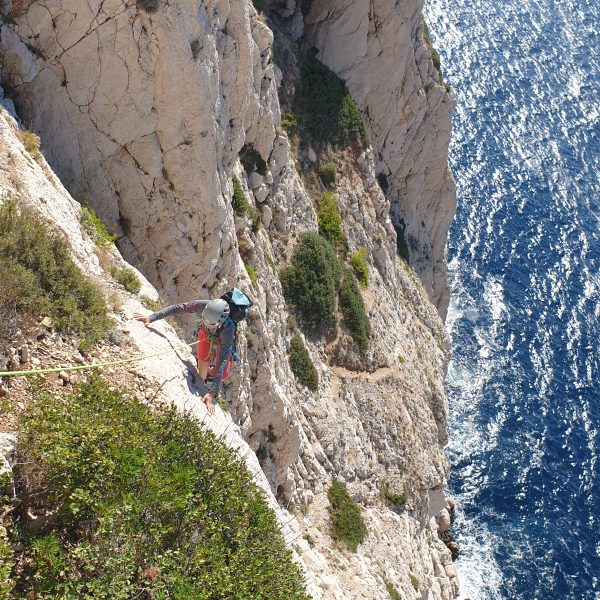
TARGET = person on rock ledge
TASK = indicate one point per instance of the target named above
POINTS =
(215, 349)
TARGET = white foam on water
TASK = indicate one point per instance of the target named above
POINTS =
(480, 574)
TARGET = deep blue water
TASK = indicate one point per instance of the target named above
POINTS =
(524, 252)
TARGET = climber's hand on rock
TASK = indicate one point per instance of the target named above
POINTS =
(142, 318)
(208, 400)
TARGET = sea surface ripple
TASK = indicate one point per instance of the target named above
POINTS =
(524, 259)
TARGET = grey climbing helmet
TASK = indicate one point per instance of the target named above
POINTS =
(215, 314)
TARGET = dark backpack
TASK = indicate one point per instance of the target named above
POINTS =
(239, 304)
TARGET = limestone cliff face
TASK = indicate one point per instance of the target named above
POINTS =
(145, 113)
(377, 47)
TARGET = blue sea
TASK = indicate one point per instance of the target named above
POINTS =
(524, 259)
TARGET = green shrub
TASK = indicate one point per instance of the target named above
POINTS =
(94, 227)
(151, 304)
(347, 524)
(32, 142)
(311, 282)
(392, 591)
(435, 57)
(326, 107)
(393, 498)
(39, 277)
(251, 272)
(148, 505)
(401, 246)
(327, 173)
(242, 207)
(353, 310)
(414, 581)
(252, 160)
(330, 222)
(6, 564)
(358, 260)
(302, 365)
(289, 122)
(238, 200)
(255, 218)
(127, 278)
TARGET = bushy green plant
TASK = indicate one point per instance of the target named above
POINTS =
(150, 303)
(401, 246)
(347, 524)
(148, 505)
(39, 277)
(6, 564)
(252, 160)
(327, 173)
(358, 260)
(251, 272)
(392, 497)
(238, 200)
(242, 207)
(392, 591)
(302, 365)
(127, 278)
(414, 581)
(289, 122)
(326, 107)
(255, 218)
(330, 222)
(311, 282)
(353, 310)
(94, 227)
(32, 143)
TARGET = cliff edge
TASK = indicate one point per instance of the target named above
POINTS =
(159, 115)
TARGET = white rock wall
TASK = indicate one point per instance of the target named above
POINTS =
(143, 115)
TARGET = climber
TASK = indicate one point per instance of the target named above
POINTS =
(216, 339)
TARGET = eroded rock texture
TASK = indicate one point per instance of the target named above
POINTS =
(143, 114)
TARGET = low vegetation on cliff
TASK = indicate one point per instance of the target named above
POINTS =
(39, 277)
(302, 365)
(242, 207)
(353, 310)
(94, 227)
(127, 278)
(330, 222)
(347, 524)
(310, 284)
(138, 502)
(326, 108)
(358, 260)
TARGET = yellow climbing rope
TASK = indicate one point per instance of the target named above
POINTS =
(93, 365)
